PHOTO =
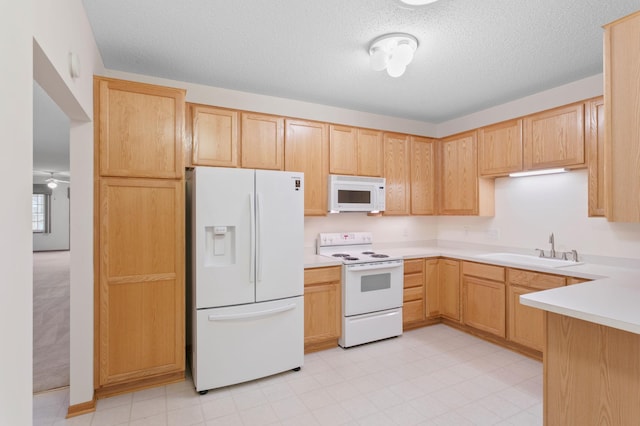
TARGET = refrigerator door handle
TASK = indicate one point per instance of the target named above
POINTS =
(252, 238)
(266, 312)
(258, 235)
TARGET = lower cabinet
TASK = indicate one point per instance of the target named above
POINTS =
(483, 297)
(432, 288)
(322, 308)
(526, 324)
(413, 307)
(449, 278)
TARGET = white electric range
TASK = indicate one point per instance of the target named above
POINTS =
(372, 287)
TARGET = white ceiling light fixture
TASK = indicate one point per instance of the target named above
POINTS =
(392, 51)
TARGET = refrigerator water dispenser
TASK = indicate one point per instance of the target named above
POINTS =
(220, 243)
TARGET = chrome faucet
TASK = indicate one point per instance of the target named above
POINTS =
(553, 246)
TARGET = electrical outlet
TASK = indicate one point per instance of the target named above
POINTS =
(493, 234)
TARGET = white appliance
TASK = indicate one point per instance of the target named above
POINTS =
(356, 194)
(247, 274)
(372, 287)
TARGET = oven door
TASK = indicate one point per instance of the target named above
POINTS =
(371, 287)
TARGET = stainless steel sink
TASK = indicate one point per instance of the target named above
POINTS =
(523, 259)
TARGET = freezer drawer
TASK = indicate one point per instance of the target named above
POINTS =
(241, 343)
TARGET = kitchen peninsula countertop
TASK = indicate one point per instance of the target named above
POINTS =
(610, 299)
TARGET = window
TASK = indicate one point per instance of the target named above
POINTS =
(40, 210)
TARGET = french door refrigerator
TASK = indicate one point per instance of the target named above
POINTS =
(247, 274)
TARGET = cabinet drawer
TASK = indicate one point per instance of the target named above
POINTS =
(413, 266)
(490, 272)
(413, 311)
(535, 279)
(322, 275)
(415, 293)
(413, 280)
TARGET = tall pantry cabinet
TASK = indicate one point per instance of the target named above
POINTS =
(139, 236)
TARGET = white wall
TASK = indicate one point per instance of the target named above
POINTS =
(58, 238)
(16, 288)
(528, 209)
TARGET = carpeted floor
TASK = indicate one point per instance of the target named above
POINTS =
(50, 320)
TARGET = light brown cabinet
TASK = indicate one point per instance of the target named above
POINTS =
(413, 307)
(322, 308)
(139, 129)
(526, 324)
(140, 285)
(449, 277)
(262, 139)
(555, 138)
(594, 118)
(432, 288)
(423, 176)
(396, 173)
(461, 191)
(483, 297)
(354, 151)
(214, 134)
(307, 151)
(500, 148)
(622, 119)
(138, 236)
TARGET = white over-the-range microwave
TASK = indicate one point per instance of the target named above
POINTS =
(356, 194)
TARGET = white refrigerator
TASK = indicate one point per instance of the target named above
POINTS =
(246, 232)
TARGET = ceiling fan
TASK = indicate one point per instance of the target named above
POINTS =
(52, 181)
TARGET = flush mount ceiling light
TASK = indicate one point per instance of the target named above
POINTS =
(393, 52)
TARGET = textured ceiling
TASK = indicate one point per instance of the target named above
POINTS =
(472, 54)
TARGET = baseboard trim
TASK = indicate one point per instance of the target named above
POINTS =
(82, 408)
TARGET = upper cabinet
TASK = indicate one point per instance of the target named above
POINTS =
(594, 118)
(139, 129)
(307, 151)
(423, 176)
(622, 119)
(214, 136)
(355, 151)
(396, 173)
(500, 148)
(555, 138)
(461, 191)
(262, 141)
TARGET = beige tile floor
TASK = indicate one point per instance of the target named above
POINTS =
(431, 376)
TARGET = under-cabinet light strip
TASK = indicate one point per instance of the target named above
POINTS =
(538, 172)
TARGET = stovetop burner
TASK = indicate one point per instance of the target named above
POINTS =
(351, 258)
(341, 255)
(367, 252)
(379, 256)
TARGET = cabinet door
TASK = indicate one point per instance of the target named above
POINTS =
(554, 138)
(139, 128)
(595, 145)
(423, 175)
(141, 279)
(214, 135)
(459, 175)
(396, 172)
(483, 305)
(262, 141)
(343, 150)
(370, 161)
(307, 151)
(622, 119)
(526, 324)
(500, 148)
(449, 274)
(432, 288)
(322, 305)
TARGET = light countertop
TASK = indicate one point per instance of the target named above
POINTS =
(610, 299)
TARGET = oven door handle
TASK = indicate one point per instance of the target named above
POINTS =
(372, 267)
